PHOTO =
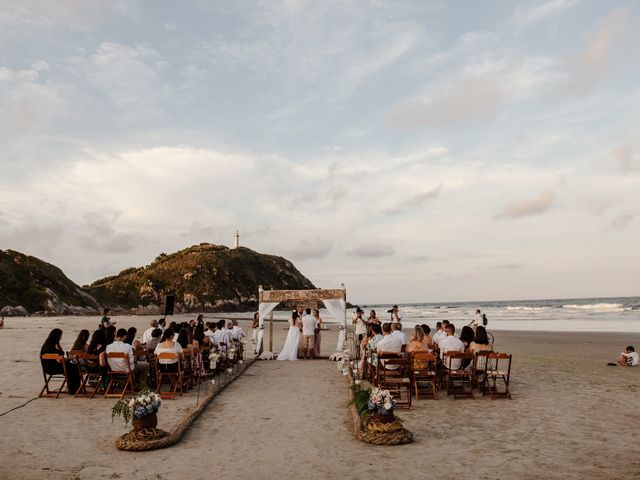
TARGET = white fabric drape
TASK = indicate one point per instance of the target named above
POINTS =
(264, 309)
(337, 308)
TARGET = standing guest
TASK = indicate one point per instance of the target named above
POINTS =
(53, 367)
(389, 344)
(373, 318)
(151, 345)
(146, 335)
(418, 341)
(200, 319)
(308, 334)
(81, 342)
(167, 345)
(361, 326)
(396, 317)
(140, 369)
(451, 344)
(629, 358)
(317, 338)
(396, 329)
(106, 320)
(131, 338)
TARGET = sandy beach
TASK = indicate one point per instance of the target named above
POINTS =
(571, 417)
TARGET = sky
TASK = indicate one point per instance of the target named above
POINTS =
(414, 151)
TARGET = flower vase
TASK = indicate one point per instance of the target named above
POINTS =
(146, 422)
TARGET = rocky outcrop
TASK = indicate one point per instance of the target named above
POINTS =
(29, 285)
(204, 277)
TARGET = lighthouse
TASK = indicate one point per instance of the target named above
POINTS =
(236, 240)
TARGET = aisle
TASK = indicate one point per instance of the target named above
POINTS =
(278, 419)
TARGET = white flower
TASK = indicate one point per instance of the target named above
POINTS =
(387, 406)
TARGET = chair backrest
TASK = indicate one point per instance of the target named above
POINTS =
(74, 353)
(120, 355)
(52, 356)
(496, 357)
(169, 356)
(402, 363)
(449, 356)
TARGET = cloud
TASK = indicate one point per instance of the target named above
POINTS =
(624, 156)
(525, 15)
(416, 201)
(607, 43)
(507, 266)
(526, 208)
(371, 251)
(621, 222)
(99, 233)
(311, 248)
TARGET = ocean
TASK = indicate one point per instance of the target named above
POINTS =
(619, 314)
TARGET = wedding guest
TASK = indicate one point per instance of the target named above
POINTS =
(140, 369)
(361, 326)
(451, 344)
(480, 340)
(439, 334)
(81, 342)
(198, 333)
(183, 340)
(389, 344)
(106, 320)
(162, 324)
(374, 341)
(110, 334)
(373, 318)
(466, 336)
(146, 335)
(317, 338)
(98, 342)
(396, 329)
(210, 330)
(53, 367)
(237, 333)
(418, 342)
(130, 339)
(427, 337)
(151, 345)
(167, 345)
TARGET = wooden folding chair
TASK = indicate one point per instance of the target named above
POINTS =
(383, 357)
(423, 371)
(496, 372)
(117, 377)
(397, 381)
(459, 381)
(187, 370)
(90, 376)
(478, 377)
(175, 378)
(49, 377)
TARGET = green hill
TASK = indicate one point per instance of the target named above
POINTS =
(204, 277)
(39, 287)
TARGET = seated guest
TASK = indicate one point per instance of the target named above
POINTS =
(198, 333)
(427, 337)
(140, 369)
(211, 328)
(81, 342)
(237, 333)
(467, 336)
(162, 324)
(396, 329)
(98, 342)
(390, 343)
(418, 342)
(167, 345)
(146, 335)
(225, 333)
(183, 340)
(451, 344)
(374, 340)
(53, 367)
(439, 334)
(110, 334)
(629, 358)
(480, 340)
(130, 339)
(154, 340)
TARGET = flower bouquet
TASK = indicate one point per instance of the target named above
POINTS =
(381, 404)
(231, 354)
(213, 361)
(141, 409)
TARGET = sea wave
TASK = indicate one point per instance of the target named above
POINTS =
(600, 307)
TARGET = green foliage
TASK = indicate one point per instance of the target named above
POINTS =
(360, 398)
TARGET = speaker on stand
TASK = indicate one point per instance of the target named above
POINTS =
(169, 302)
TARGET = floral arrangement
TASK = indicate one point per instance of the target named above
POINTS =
(381, 401)
(213, 361)
(145, 403)
(231, 353)
(343, 366)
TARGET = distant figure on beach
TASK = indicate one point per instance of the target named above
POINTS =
(628, 358)
(361, 326)
(373, 318)
(308, 334)
(2, 322)
(317, 338)
(290, 348)
(477, 319)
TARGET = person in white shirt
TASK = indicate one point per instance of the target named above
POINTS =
(439, 334)
(167, 345)
(210, 331)
(361, 325)
(477, 319)
(146, 335)
(629, 358)
(389, 343)
(396, 329)
(308, 334)
(237, 333)
(140, 369)
(451, 344)
(396, 317)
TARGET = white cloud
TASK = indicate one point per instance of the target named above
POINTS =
(538, 11)
(526, 208)
(371, 250)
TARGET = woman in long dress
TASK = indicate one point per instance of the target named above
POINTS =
(291, 344)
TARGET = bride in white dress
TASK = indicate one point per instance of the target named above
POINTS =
(291, 344)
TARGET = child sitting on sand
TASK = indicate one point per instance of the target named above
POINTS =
(628, 358)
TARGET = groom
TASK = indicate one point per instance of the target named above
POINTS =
(308, 332)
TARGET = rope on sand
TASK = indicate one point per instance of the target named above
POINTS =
(378, 433)
(153, 439)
